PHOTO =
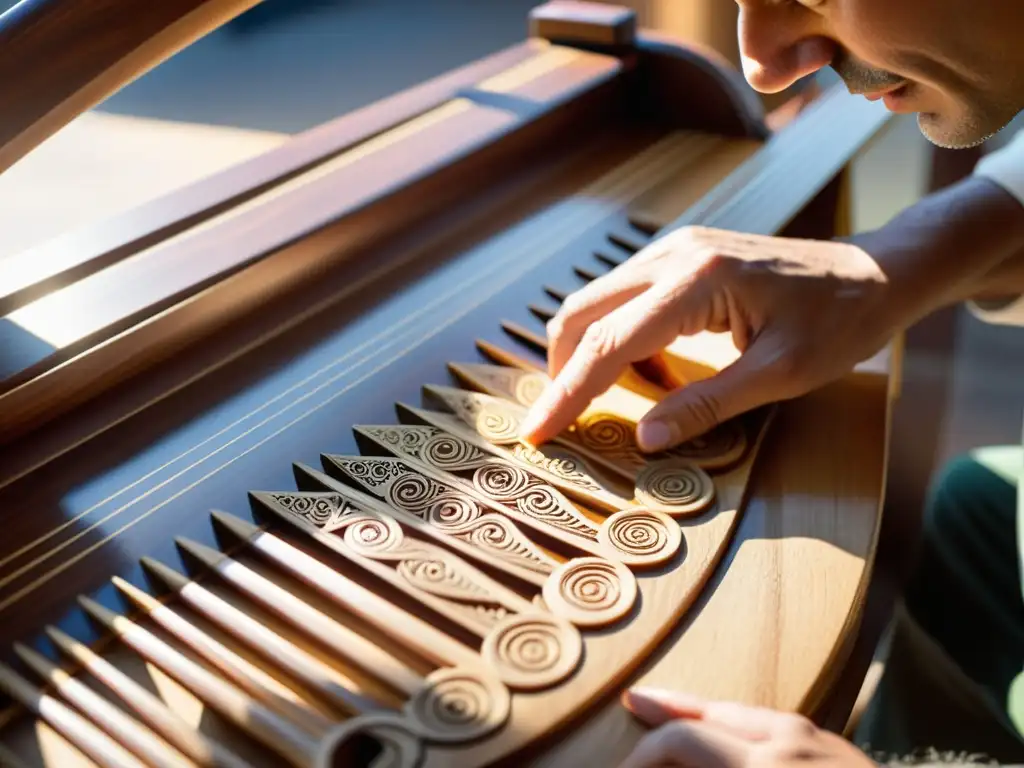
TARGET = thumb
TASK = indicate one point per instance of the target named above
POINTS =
(696, 408)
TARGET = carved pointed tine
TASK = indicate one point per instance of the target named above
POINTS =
(78, 730)
(541, 313)
(556, 293)
(585, 274)
(204, 554)
(164, 574)
(527, 337)
(504, 357)
(191, 742)
(129, 732)
(243, 530)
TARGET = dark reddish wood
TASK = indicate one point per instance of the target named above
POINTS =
(291, 240)
(676, 75)
(27, 276)
(59, 58)
(584, 23)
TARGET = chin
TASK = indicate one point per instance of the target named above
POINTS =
(948, 133)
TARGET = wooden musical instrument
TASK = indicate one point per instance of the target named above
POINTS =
(264, 496)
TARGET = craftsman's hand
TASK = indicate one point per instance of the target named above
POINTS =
(697, 734)
(801, 312)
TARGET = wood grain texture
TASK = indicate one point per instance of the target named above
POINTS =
(59, 58)
(141, 310)
(772, 580)
(60, 261)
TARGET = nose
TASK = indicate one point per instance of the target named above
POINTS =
(781, 43)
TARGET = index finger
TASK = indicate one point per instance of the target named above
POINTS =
(635, 331)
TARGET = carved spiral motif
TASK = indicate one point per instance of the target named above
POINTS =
(411, 491)
(529, 388)
(533, 651)
(607, 434)
(501, 481)
(459, 705)
(677, 488)
(497, 424)
(447, 452)
(453, 511)
(401, 748)
(318, 510)
(370, 534)
(641, 537)
(374, 473)
(541, 502)
(591, 591)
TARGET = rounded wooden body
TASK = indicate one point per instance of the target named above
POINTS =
(288, 480)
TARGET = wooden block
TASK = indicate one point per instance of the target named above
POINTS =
(576, 22)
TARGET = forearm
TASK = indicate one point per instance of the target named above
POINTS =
(964, 242)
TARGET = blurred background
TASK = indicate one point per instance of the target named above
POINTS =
(288, 65)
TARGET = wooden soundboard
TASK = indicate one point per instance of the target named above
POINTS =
(264, 495)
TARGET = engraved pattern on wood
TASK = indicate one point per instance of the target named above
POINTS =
(498, 480)
(693, 485)
(459, 705)
(422, 570)
(608, 425)
(591, 592)
(450, 511)
(533, 647)
(508, 488)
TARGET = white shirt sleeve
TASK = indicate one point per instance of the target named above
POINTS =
(1005, 167)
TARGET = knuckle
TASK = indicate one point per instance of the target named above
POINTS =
(555, 327)
(705, 410)
(599, 340)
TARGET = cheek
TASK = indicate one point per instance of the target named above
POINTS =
(876, 31)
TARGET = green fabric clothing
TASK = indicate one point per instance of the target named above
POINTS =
(952, 679)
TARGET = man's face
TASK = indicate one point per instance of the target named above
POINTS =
(958, 64)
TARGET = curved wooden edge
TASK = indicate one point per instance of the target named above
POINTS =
(59, 58)
(721, 93)
(72, 256)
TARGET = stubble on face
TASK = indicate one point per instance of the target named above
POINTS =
(965, 119)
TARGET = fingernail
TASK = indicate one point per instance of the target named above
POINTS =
(654, 435)
(656, 706)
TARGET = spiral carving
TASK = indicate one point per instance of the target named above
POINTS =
(411, 491)
(559, 462)
(373, 473)
(325, 511)
(533, 651)
(450, 510)
(501, 481)
(591, 591)
(606, 434)
(370, 534)
(447, 452)
(458, 705)
(529, 388)
(641, 537)
(676, 488)
(497, 424)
